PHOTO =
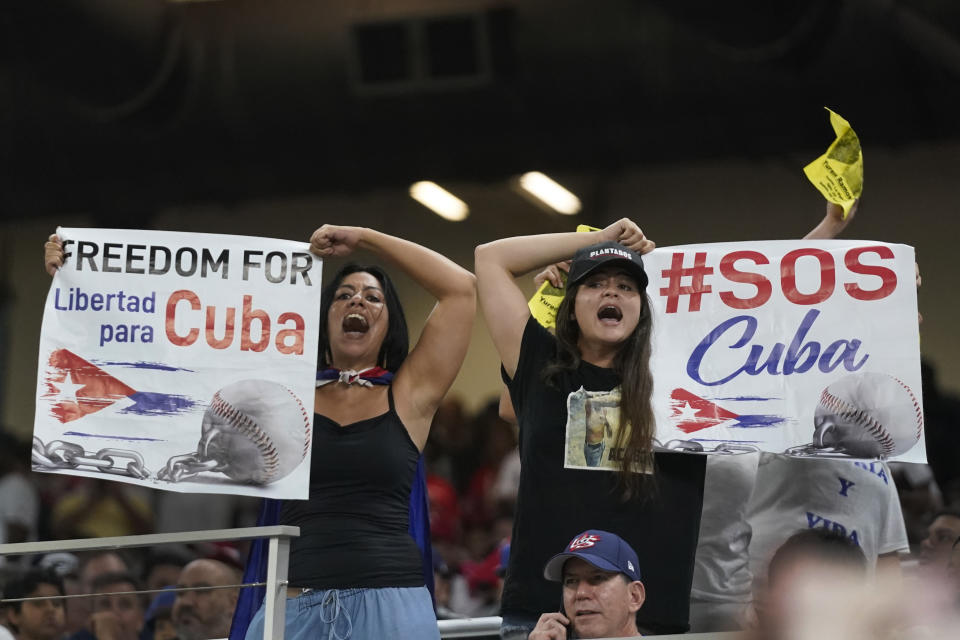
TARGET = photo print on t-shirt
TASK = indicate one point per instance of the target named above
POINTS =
(593, 421)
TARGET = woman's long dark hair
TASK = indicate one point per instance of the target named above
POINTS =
(396, 344)
(632, 363)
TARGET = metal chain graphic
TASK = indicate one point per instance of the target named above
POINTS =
(186, 466)
(813, 451)
(691, 446)
(58, 454)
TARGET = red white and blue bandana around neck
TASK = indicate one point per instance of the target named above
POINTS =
(364, 378)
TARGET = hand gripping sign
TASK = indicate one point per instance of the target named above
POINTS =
(809, 348)
(180, 361)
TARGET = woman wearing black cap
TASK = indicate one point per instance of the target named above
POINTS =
(598, 361)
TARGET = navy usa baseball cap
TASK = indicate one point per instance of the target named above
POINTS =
(606, 254)
(602, 549)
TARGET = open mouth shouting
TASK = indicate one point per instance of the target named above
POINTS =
(610, 314)
(355, 325)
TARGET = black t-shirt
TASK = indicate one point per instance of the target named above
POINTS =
(354, 529)
(556, 502)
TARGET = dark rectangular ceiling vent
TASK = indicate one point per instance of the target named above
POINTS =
(432, 53)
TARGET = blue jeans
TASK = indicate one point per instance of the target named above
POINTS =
(356, 614)
(593, 453)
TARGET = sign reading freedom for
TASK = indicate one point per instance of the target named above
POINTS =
(803, 347)
(180, 361)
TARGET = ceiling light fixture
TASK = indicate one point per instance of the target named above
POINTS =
(550, 192)
(439, 200)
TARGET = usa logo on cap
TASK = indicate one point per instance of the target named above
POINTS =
(604, 550)
(584, 541)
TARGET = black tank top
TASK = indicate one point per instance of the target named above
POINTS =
(354, 528)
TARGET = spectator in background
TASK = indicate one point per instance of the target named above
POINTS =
(163, 567)
(62, 564)
(101, 508)
(504, 552)
(92, 566)
(199, 615)
(809, 559)
(158, 621)
(99, 563)
(925, 489)
(449, 444)
(601, 593)
(37, 619)
(856, 499)
(935, 549)
(484, 584)
(507, 482)
(19, 499)
(722, 579)
(117, 614)
(199, 511)
(441, 588)
(919, 495)
(445, 527)
(497, 438)
(66, 567)
(941, 415)
(953, 571)
(225, 552)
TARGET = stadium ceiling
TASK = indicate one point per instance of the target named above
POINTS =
(119, 107)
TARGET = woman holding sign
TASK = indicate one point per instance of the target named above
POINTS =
(575, 477)
(355, 572)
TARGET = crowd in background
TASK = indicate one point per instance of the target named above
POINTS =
(472, 477)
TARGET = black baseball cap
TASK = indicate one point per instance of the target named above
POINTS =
(606, 254)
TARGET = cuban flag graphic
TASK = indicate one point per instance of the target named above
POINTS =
(74, 388)
(691, 413)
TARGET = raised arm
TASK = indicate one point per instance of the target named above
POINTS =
(434, 362)
(498, 263)
(833, 222)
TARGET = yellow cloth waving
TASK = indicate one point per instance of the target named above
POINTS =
(838, 173)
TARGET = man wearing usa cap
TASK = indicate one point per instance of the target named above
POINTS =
(602, 591)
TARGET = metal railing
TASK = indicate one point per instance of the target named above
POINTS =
(278, 558)
(490, 627)
(470, 627)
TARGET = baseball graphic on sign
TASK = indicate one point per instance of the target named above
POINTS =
(868, 415)
(258, 431)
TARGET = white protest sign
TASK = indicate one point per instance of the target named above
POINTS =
(180, 361)
(803, 347)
